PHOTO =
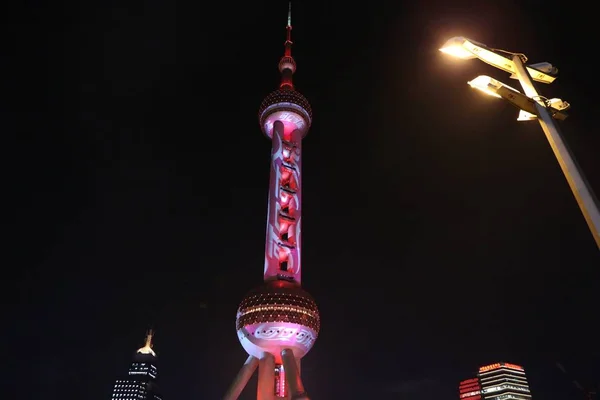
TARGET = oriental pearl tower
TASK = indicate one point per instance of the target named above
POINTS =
(278, 322)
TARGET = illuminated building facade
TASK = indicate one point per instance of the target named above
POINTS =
(140, 382)
(503, 381)
(278, 322)
(469, 389)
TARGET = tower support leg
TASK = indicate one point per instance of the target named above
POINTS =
(241, 379)
(292, 376)
(266, 378)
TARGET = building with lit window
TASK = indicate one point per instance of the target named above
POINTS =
(503, 381)
(470, 389)
(140, 381)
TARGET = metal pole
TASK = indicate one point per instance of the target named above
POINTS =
(581, 190)
(241, 379)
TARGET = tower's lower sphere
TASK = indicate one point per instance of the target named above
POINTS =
(276, 316)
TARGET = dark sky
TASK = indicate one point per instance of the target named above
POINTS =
(439, 233)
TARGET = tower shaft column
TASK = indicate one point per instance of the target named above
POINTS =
(266, 378)
(282, 253)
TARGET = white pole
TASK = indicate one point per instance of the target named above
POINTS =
(579, 185)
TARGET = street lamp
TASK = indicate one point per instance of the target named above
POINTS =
(526, 105)
(532, 106)
(467, 49)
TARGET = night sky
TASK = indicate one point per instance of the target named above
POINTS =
(439, 233)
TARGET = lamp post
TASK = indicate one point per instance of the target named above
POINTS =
(542, 109)
(526, 105)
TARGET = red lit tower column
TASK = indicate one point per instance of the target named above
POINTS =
(278, 322)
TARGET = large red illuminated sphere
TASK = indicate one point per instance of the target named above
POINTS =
(288, 106)
(275, 316)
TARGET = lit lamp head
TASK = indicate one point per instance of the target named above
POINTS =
(467, 49)
(456, 48)
(526, 105)
(486, 85)
(492, 87)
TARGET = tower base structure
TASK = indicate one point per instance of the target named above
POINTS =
(277, 324)
(290, 382)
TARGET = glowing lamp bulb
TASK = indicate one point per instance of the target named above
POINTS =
(284, 198)
(486, 85)
(455, 47)
(286, 153)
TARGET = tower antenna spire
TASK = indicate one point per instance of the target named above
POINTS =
(147, 349)
(149, 338)
(287, 64)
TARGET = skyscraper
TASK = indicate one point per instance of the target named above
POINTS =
(140, 381)
(278, 322)
(499, 381)
(470, 389)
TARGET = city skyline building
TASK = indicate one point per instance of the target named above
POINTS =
(278, 322)
(469, 389)
(503, 381)
(140, 383)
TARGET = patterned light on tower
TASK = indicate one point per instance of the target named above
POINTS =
(278, 322)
